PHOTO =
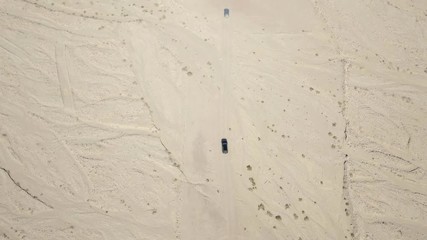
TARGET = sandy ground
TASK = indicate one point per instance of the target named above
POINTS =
(111, 115)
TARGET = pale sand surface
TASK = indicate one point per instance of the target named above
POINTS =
(111, 115)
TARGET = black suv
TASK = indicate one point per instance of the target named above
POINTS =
(224, 145)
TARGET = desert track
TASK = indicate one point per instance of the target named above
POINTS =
(111, 115)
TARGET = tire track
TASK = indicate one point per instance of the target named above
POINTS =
(14, 50)
(63, 76)
(227, 183)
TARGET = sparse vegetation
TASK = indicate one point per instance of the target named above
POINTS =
(252, 181)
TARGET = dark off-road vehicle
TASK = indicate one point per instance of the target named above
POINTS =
(224, 145)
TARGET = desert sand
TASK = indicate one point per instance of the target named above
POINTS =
(112, 112)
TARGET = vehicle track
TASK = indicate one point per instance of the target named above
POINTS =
(227, 164)
(63, 76)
